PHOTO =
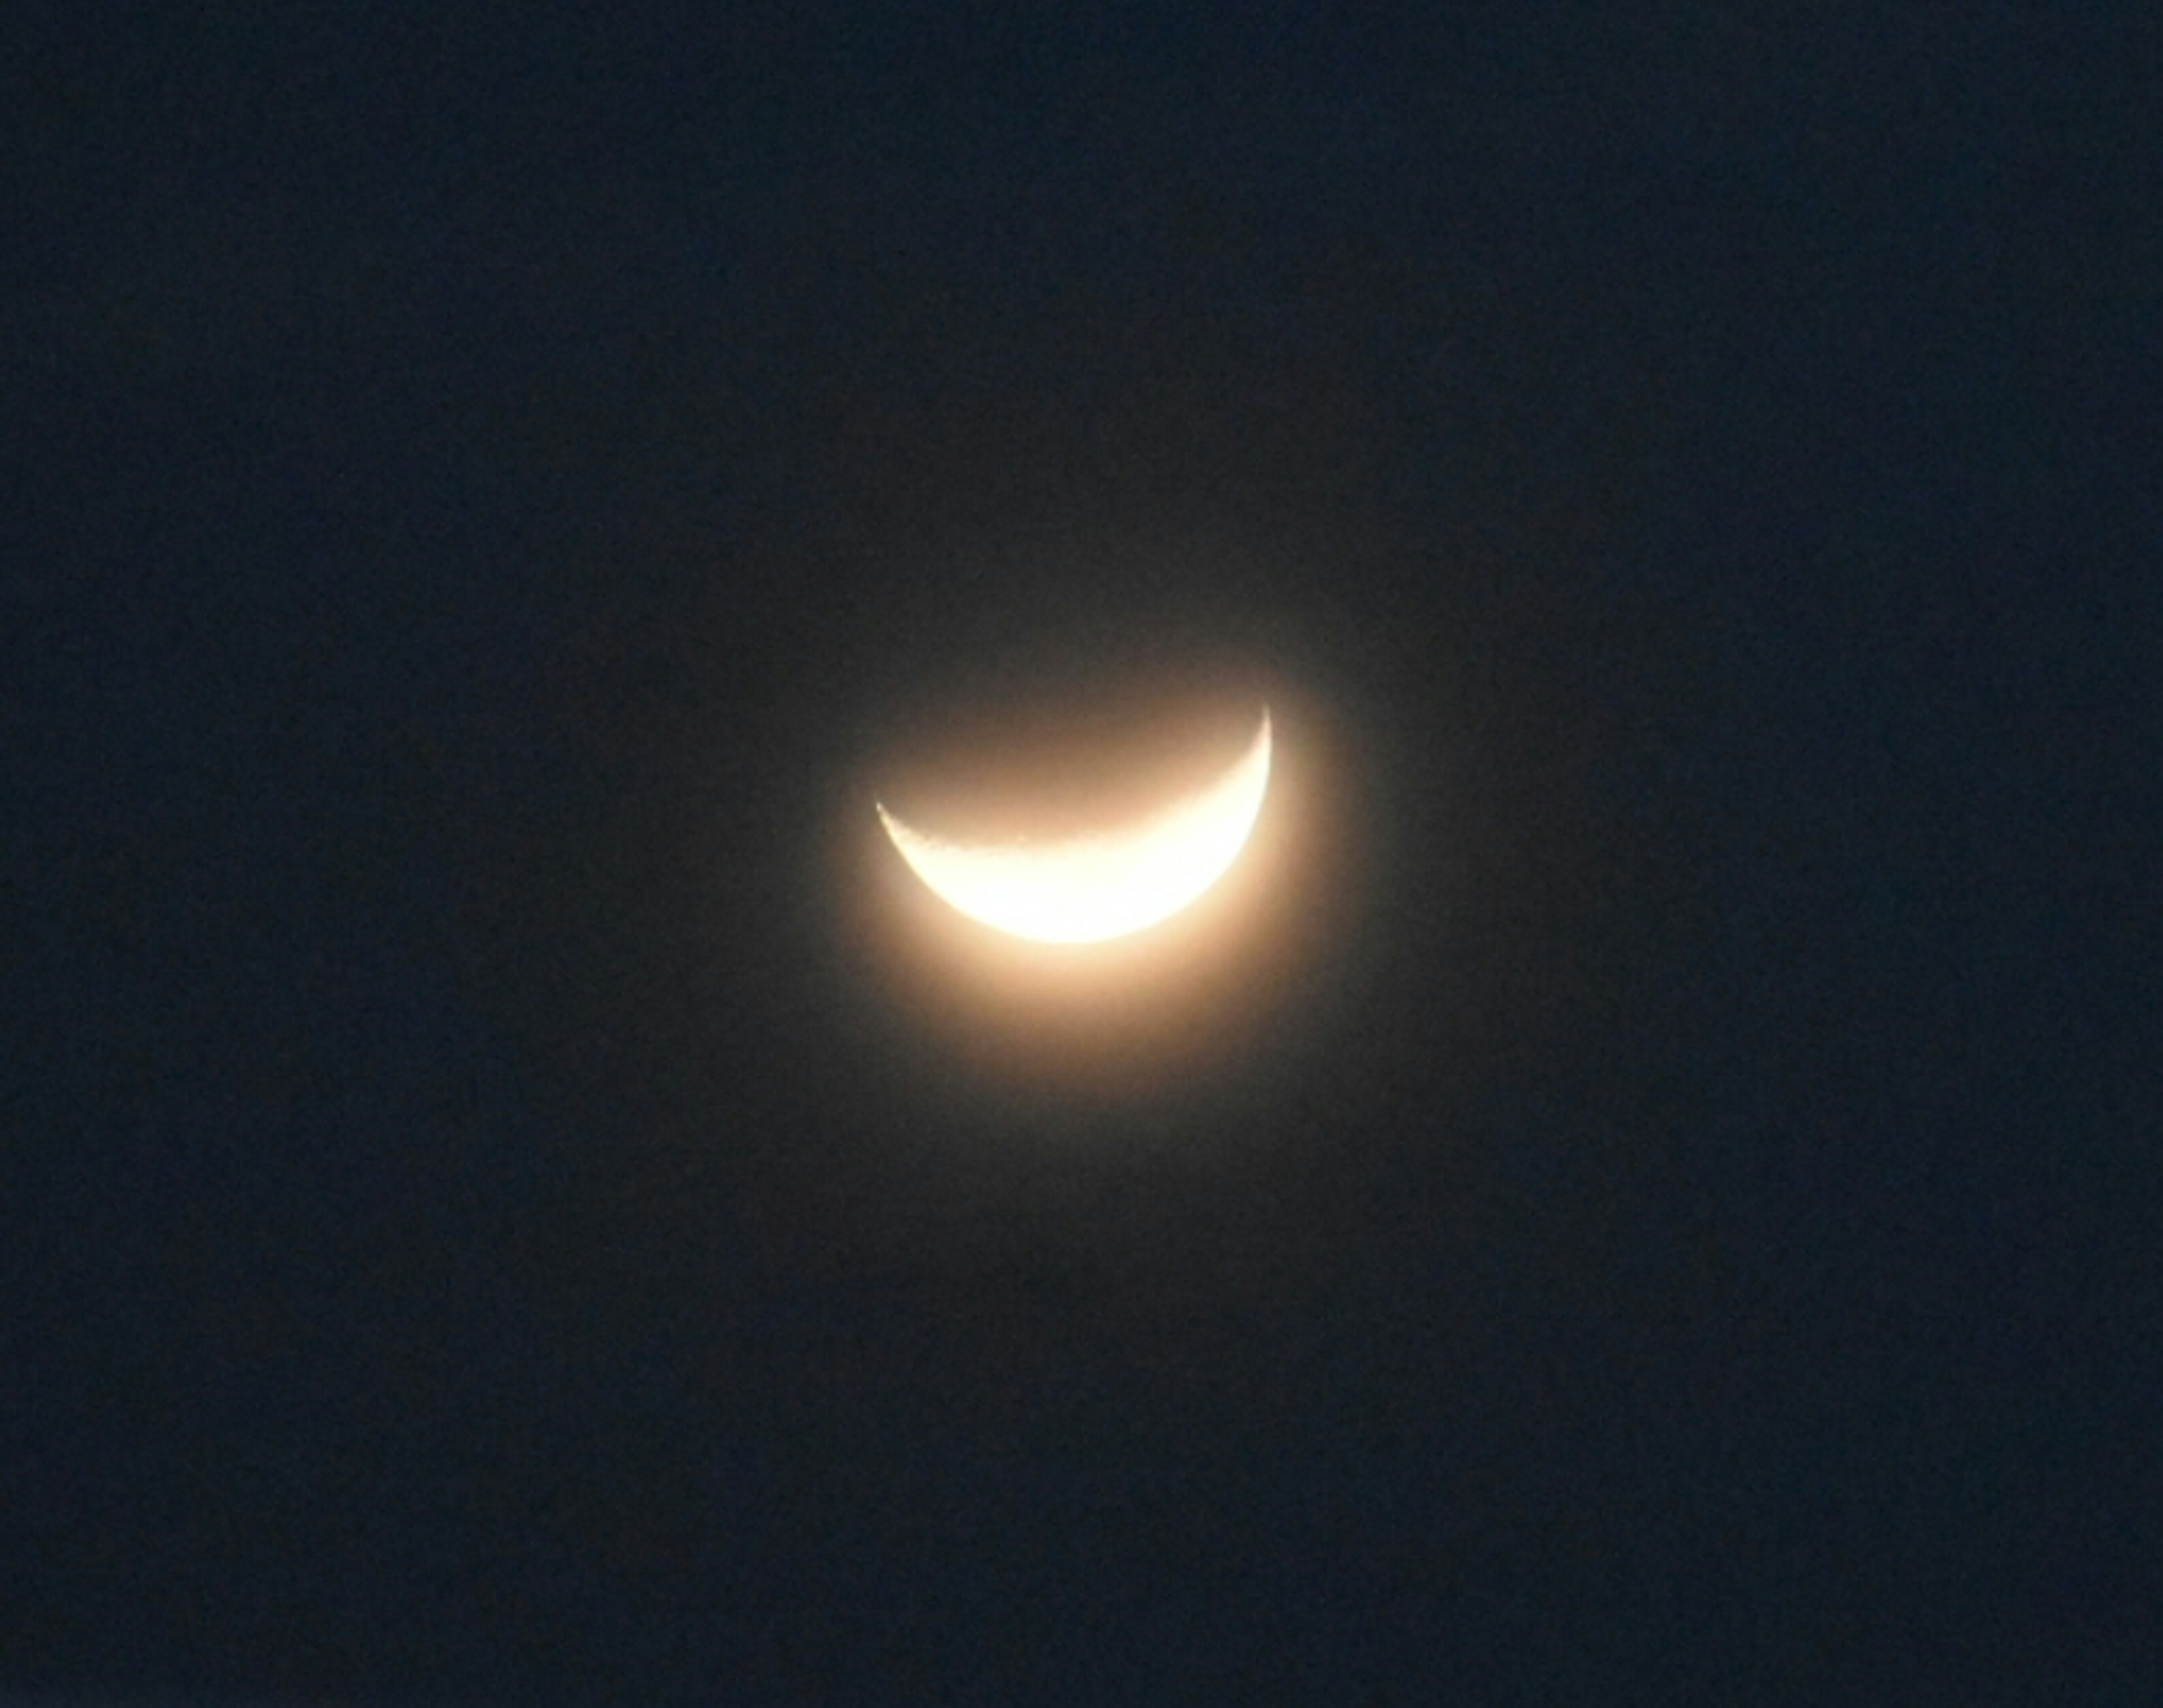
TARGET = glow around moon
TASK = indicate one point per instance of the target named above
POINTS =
(1106, 884)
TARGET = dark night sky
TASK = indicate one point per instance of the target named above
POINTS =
(1670, 1218)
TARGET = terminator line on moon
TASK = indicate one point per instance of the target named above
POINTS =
(1105, 884)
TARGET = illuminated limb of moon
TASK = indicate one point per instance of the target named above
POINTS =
(1086, 888)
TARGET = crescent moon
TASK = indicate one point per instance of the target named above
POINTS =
(1088, 888)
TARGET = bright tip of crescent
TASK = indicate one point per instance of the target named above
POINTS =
(1113, 884)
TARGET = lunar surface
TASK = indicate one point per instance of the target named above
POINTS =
(1088, 887)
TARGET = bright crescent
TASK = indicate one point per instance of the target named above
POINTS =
(1086, 888)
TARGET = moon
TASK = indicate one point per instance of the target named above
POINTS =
(1104, 884)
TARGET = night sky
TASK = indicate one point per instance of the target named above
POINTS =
(1651, 1198)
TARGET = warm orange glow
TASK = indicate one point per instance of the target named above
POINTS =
(1112, 883)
